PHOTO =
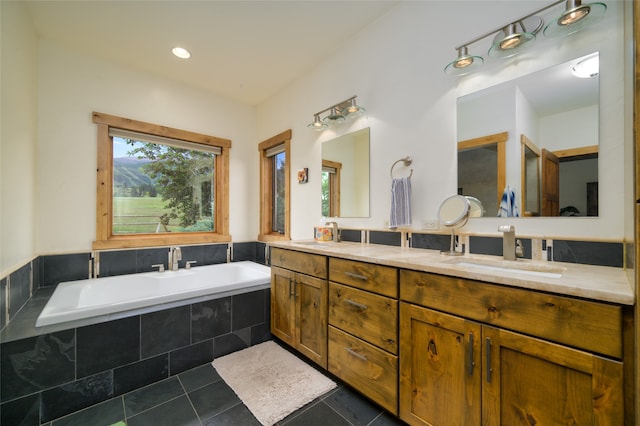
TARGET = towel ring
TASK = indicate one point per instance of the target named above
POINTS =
(407, 162)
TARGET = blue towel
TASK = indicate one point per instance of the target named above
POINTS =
(400, 202)
(508, 207)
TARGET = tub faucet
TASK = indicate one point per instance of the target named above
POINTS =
(336, 231)
(511, 248)
(175, 255)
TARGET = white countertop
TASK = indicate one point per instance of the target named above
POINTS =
(600, 283)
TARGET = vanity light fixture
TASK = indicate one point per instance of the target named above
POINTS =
(575, 17)
(317, 123)
(512, 38)
(181, 52)
(464, 64)
(337, 114)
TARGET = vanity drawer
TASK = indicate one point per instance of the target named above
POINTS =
(372, 371)
(306, 263)
(366, 315)
(367, 276)
(584, 324)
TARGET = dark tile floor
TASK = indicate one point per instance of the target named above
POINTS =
(200, 397)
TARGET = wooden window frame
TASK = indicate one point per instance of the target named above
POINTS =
(266, 188)
(334, 186)
(500, 140)
(104, 189)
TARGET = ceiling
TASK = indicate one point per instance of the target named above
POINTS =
(242, 50)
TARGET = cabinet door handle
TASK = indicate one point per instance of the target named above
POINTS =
(357, 276)
(356, 354)
(356, 304)
(290, 287)
(488, 355)
(471, 363)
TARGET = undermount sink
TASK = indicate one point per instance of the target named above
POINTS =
(515, 266)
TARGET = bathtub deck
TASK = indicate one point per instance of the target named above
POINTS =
(23, 325)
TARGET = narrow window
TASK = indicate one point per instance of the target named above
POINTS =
(331, 188)
(274, 187)
(159, 186)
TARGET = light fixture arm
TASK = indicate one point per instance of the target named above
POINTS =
(340, 106)
(519, 20)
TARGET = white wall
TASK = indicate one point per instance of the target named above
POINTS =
(396, 68)
(71, 86)
(17, 136)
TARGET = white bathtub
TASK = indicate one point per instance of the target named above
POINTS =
(103, 299)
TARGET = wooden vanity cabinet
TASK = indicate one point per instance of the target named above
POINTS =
(299, 301)
(363, 328)
(456, 370)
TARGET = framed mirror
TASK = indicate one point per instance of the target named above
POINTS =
(345, 175)
(551, 122)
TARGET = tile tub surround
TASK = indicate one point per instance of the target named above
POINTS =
(61, 372)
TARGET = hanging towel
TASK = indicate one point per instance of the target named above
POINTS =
(400, 202)
(508, 207)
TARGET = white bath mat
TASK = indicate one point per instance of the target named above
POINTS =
(271, 381)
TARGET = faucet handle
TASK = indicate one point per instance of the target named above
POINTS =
(188, 264)
(160, 267)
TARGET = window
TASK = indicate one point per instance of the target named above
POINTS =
(274, 187)
(159, 186)
(331, 188)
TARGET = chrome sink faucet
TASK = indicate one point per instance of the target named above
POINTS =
(511, 248)
(175, 255)
(336, 231)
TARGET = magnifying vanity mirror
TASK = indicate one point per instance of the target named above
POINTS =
(538, 134)
(345, 175)
(454, 213)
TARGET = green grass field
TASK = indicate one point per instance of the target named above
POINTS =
(139, 215)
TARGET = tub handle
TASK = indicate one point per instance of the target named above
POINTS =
(160, 267)
(188, 264)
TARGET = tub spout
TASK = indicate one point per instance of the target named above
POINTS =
(175, 255)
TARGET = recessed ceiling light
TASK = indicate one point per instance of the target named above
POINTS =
(181, 52)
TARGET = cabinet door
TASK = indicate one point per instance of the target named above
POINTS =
(283, 304)
(528, 381)
(311, 317)
(440, 375)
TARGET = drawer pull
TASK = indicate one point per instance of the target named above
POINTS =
(358, 276)
(471, 363)
(356, 354)
(488, 356)
(356, 304)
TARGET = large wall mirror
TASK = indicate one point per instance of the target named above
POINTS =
(345, 175)
(538, 134)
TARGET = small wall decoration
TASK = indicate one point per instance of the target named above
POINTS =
(303, 175)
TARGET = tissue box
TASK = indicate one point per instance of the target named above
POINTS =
(323, 233)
